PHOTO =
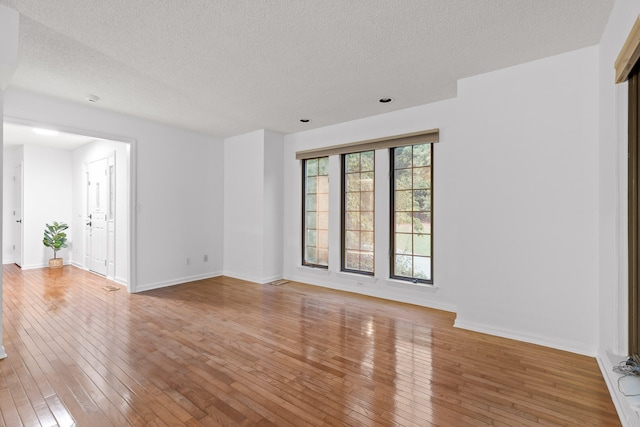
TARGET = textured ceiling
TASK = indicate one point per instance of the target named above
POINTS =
(226, 67)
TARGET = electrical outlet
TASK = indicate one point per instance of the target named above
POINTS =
(206, 258)
(188, 261)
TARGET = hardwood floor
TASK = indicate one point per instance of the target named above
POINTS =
(223, 352)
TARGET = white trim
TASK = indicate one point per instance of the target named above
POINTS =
(3, 353)
(629, 416)
(376, 292)
(575, 347)
(254, 279)
(177, 281)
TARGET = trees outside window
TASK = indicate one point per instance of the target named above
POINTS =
(316, 212)
(412, 243)
(358, 212)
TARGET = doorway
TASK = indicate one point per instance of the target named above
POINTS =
(100, 247)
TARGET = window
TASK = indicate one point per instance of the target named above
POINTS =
(411, 253)
(358, 212)
(315, 190)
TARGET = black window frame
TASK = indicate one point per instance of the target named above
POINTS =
(392, 222)
(343, 212)
(304, 217)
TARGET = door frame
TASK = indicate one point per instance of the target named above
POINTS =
(133, 180)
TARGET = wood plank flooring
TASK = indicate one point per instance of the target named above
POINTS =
(223, 352)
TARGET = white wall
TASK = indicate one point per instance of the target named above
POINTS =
(526, 202)
(243, 206)
(47, 197)
(178, 184)
(439, 115)
(253, 206)
(273, 187)
(82, 156)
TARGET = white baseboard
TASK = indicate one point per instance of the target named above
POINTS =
(325, 279)
(519, 336)
(260, 280)
(8, 261)
(628, 414)
(176, 281)
(120, 280)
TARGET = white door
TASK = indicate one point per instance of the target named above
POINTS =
(97, 209)
(17, 216)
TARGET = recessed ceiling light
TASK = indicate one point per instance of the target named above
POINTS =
(305, 120)
(46, 132)
(385, 100)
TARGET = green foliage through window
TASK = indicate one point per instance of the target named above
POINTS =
(411, 213)
(358, 212)
(316, 212)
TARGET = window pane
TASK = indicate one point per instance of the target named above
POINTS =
(323, 166)
(310, 255)
(403, 179)
(404, 266)
(352, 162)
(352, 261)
(421, 222)
(366, 241)
(353, 181)
(366, 262)
(404, 243)
(353, 201)
(421, 200)
(316, 212)
(403, 222)
(311, 237)
(422, 244)
(352, 240)
(421, 155)
(403, 157)
(322, 238)
(312, 185)
(404, 200)
(366, 221)
(411, 223)
(323, 202)
(323, 220)
(358, 204)
(422, 178)
(323, 257)
(352, 220)
(422, 268)
(366, 201)
(323, 185)
(312, 167)
(366, 161)
(366, 181)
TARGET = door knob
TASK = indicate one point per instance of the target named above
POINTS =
(89, 223)
(19, 220)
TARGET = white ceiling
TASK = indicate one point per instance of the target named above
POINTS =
(226, 67)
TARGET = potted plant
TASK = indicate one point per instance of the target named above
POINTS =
(56, 239)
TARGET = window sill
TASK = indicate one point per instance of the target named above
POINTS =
(313, 270)
(410, 285)
(357, 277)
